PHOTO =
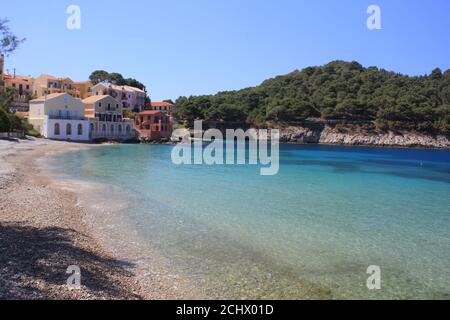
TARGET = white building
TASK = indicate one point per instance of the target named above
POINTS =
(59, 116)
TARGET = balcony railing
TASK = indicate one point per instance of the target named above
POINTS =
(65, 117)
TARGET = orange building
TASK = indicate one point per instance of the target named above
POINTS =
(154, 125)
(84, 88)
(23, 91)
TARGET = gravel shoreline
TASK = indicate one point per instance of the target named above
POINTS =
(42, 233)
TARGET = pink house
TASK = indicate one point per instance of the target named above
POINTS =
(154, 125)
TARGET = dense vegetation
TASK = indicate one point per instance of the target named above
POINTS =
(10, 122)
(115, 78)
(339, 91)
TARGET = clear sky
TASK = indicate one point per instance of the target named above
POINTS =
(189, 47)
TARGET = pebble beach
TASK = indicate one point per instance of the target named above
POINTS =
(43, 232)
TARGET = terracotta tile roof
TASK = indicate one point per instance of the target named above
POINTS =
(11, 76)
(87, 83)
(161, 104)
(48, 76)
(48, 97)
(149, 113)
(93, 99)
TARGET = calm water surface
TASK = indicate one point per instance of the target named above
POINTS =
(309, 232)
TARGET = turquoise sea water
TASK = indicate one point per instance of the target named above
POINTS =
(309, 232)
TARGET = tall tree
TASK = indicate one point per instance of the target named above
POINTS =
(8, 41)
(99, 76)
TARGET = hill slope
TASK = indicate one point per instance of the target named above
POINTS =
(340, 91)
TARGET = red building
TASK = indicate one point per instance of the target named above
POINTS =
(154, 125)
(162, 106)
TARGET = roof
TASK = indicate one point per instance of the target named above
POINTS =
(48, 97)
(161, 104)
(120, 88)
(134, 89)
(93, 99)
(17, 78)
(88, 83)
(48, 76)
(149, 113)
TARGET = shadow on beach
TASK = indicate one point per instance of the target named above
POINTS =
(33, 264)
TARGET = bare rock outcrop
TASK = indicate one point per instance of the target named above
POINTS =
(330, 135)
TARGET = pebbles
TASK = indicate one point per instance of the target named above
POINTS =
(42, 233)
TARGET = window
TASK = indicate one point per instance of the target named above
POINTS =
(57, 129)
(69, 129)
(104, 128)
(112, 128)
(28, 87)
(128, 129)
(109, 106)
(99, 104)
(80, 129)
(119, 128)
(91, 127)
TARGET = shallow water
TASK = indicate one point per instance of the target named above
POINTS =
(309, 232)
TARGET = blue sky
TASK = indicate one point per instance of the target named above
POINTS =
(203, 46)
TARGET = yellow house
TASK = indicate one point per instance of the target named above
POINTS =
(47, 84)
(106, 121)
(59, 116)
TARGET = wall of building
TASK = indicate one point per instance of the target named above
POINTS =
(84, 88)
(111, 130)
(36, 116)
(49, 129)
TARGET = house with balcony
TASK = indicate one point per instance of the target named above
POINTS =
(59, 116)
(153, 125)
(132, 98)
(23, 87)
(47, 84)
(105, 115)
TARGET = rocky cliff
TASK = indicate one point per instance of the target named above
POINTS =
(329, 135)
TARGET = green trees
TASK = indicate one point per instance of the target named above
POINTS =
(99, 76)
(340, 91)
(116, 78)
(5, 125)
(8, 121)
(8, 41)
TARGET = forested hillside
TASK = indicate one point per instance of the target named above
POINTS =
(339, 91)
